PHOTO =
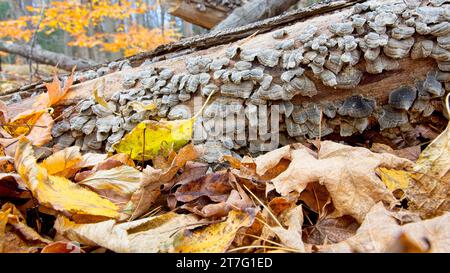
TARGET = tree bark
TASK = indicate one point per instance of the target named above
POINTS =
(253, 11)
(46, 57)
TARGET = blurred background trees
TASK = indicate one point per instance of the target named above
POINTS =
(88, 32)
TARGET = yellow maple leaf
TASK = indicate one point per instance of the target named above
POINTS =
(60, 193)
(149, 137)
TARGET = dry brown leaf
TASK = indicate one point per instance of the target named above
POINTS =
(15, 235)
(38, 132)
(62, 247)
(116, 184)
(380, 232)
(153, 179)
(292, 235)
(347, 172)
(429, 191)
(12, 186)
(269, 160)
(411, 153)
(217, 186)
(148, 235)
(328, 230)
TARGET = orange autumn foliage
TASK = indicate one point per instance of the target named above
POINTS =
(77, 18)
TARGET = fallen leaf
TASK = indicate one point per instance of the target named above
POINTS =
(394, 179)
(89, 160)
(329, 230)
(411, 153)
(271, 159)
(292, 235)
(15, 235)
(116, 184)
(60, 193)
(215, 238)
(148, 235)
(11, 186)
(54, 91)
(429, 192)
(347, 172)
(114, 161)
(150, 137)
(99, 99)
(147, 139)
(62, 247)
(153, 179)
(380, 231)
(6, 164)
(215, 186)
(63, 163)
(3, 222)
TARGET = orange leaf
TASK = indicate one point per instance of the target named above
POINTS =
(54, 91)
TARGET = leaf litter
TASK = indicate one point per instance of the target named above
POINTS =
(155, 195)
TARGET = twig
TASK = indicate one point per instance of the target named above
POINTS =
(33, 40)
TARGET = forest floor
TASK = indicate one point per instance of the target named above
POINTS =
(320, 196)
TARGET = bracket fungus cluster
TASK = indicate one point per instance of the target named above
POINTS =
(289, 72)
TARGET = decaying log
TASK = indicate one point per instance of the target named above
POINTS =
(200, 13)
(253, 11)
(43, 56)
(337, 68)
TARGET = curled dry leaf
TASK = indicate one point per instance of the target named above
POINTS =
(429, 192)
(380, 232)
(63, 163)
(12, 186)
(114, 161)
(411, 153)
(116, 184)
(292, 235)
(216, 186)
(347, 172)
(62, 247)
(329, 230)
(15, 235)
(54, 91)
(153, 179)
(148, 235)
(215, 238)
(60, 193)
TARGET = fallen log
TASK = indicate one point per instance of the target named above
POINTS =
(200, 13)
(334, 68)
(43, 56)
(253, 11)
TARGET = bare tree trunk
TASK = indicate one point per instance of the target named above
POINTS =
(46, 57)
(253, 11)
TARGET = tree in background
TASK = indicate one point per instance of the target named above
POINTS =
(92, 26)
